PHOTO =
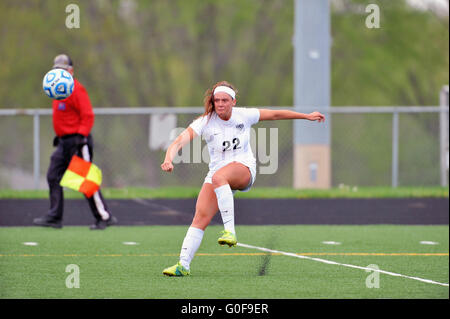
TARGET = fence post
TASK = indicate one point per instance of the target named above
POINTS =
(312, 43)
(395, 149)
(36, 149)
(443, 135)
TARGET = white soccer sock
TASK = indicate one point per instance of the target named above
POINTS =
(190, 245)
(225, 201)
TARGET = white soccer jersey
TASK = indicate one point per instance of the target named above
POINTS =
(228, 141)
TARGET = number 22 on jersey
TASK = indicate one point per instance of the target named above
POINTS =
(228, 145)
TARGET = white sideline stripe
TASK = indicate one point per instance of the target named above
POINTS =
(340, 264)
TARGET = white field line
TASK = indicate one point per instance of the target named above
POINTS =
(340, 264)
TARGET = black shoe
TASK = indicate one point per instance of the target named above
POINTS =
(47, 222)
(102, 224)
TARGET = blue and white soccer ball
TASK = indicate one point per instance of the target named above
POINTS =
(58, 84)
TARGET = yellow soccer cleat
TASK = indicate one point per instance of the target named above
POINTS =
(227, 238)
(176, 270)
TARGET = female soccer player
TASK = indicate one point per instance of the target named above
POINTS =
(226, 130)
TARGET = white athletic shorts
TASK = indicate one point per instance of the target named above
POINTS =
(252, 168)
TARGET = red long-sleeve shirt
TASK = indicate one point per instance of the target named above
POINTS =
(73, 115)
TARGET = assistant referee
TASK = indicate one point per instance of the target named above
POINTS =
(73, 119)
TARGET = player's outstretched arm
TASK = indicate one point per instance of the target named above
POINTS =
(185, 137)
(272, 115)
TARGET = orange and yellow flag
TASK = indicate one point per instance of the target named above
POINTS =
(82, 176)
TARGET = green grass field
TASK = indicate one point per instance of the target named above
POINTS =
(344, 191)
(111, 269)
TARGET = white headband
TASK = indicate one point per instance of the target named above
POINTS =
(225, 89)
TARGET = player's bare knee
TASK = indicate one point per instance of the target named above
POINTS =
(218, 180)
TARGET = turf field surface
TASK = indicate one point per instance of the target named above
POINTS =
(127, 262)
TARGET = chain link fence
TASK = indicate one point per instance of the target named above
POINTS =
(363, 151)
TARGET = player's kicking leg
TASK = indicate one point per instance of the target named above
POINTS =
(232, 176)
